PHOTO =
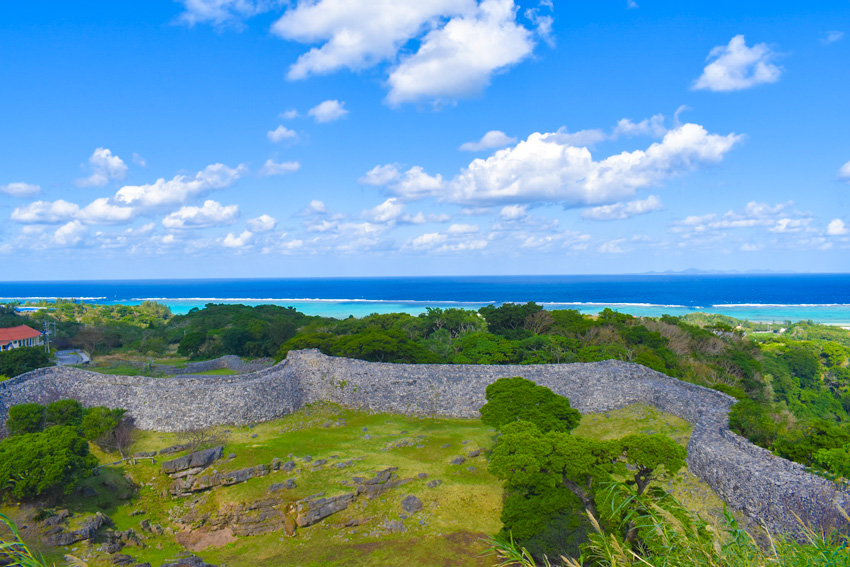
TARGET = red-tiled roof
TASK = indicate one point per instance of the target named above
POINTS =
(18, 333)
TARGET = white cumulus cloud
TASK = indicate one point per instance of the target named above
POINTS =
(315, 207)
(241, 241)
(844, 172)
(45, 212)
(461, 240)
(836, 227)
(105, 167)
(389, 210)
(356, 34)
(272, 167)
(69, 234)
(212, 213)
(513, 212)
(281, 133)
(328, 111)
(647, 127)
(541, 169)
(735, 67)
(410, 185)
(263, 223)
(623, 210)
(181, 188)
(103, 211)
(460, 44)
(459, 58)
(491, 140)
(20, 189)
(463, 228)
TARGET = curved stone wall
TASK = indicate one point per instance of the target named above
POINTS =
(765, 487)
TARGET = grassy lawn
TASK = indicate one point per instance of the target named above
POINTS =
(117, 370)
(447, 531)
(216, 372)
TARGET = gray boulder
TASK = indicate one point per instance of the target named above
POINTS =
(196, 460)
(191, 561)
(411, 504)
(314, 511)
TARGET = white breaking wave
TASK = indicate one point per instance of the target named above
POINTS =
(604, 303)
(311, 300)
(756, 305)
(53, 297)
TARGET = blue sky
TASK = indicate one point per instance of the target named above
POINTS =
(257, 138)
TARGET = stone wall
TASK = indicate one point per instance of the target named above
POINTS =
(765, 487)
(164, 404)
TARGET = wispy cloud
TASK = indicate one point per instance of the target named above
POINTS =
(832, 37)
(20, 189)
(491, 140)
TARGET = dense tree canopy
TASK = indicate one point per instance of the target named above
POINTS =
(518, 399)
(548, 473)
(47, 463)
(25, 418)
(24, 359)
(49, 445)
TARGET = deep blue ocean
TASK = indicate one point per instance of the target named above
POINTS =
(821, 297)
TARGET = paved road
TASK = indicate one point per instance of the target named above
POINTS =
(69, 357)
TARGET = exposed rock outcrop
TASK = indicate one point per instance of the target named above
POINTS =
(56, 533)
(192, 463)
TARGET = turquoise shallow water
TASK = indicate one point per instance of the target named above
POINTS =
(828, 315)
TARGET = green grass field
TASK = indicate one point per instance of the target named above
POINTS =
(448, 531)
(216, 372)
(128, 370)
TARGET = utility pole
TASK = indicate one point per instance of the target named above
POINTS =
(47, 334)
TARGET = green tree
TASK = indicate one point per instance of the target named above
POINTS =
(514, 399)
(483, 348)
(25, 418)
(836, 460)
(833, 354)
(804, 365)
(570, 322)
(191, 343)
(373, 345)
(64, 412)
(99, 422)
(803, 444)
(533, 464)
(236, 340)
(509, 319)
(48, 463)
(24, 359)
(756, 422)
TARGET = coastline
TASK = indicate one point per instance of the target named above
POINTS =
(837, 315)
